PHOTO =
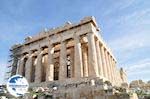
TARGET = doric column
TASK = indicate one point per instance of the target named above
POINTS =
(93, 67)
(38, 67)
(115, 71)
(72, 61)
(50, 67)
(108, 66)
(78, 70)
(20, 67)
(63, 63)
(99, 60)
(111, 68)
(28, 67)
(85, 61)
(103, 61)
(44, 67)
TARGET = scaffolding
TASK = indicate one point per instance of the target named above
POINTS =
(12, 62)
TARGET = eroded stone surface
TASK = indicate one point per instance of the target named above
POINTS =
(67, 58)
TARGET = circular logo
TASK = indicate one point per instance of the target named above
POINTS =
(17, 85)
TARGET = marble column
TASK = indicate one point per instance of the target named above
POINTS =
(99, 60)
(85, 60)
(21, 65)
(63, 61)
(103, 61)
(44, 68)
(72, 61)
(78, 70)
(50, 66)
(115, 71)
(93, 67)
(111, 67)
(28, 67)
(108, 66)
(38, 67)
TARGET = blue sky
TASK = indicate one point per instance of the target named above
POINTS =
(125, 26)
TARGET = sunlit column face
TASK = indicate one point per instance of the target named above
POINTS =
(35, 61)
(50, 69)
(92, 56)
(78, 65)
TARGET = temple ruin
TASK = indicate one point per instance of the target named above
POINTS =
(69, 54)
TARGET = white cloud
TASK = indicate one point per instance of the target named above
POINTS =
(139, 70)
(137, 17)
(130, 42)
(134, 33)
(119, 5)
(141, 65)
(133, 40)
(126, 4)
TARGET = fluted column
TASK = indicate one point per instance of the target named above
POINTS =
(50, 67)
(103, 61)
(20, 67)
(28, 67)
(85, 61)
(93, 67)
(38, 67)
(63, 63)
(115, 71)
(108, 66)
(78, 70)
(111, 67)
(99, 60)
(72, 62)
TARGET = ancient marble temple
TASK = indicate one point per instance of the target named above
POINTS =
(72, 51)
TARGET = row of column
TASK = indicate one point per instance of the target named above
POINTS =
(101, 62)
(97, 62)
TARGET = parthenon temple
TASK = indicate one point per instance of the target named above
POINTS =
(68, 52)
